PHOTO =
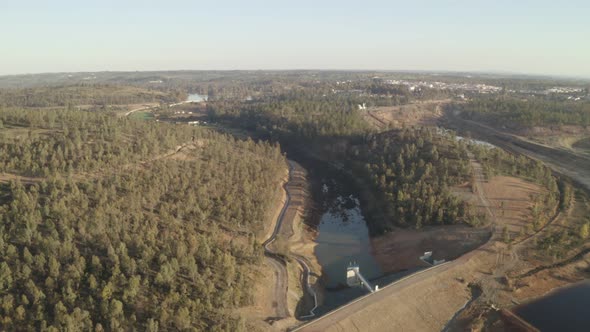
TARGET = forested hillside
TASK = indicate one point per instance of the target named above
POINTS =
(508, 111)
(85, 94)
(47, 142)
(297, 115)
(126, 224)
(409, 173)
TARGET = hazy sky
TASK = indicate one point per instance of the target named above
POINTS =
(546, 37)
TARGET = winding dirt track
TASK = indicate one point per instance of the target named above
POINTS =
(278, 263)
(479, 179)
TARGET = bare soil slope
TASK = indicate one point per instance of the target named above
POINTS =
(419, 113)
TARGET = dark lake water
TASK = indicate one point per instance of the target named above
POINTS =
(343, 236)
(566, 309)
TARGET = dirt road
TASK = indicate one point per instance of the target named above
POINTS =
(478, 180)
(277, 262)
(565, 162)
(280, 287)
(144, 108)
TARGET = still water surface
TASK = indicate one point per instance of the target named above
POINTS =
(343, 237)
(566, 309)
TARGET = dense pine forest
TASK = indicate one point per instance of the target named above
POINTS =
(121, 224)
(86, 94)
(68, 141)
(410, 172)
(510, 111)
(297, 115)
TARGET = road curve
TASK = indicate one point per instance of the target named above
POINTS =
(144, 108)
(278, 261)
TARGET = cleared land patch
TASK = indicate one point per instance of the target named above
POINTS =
(401, 249)
(509, 199)
(422, 113)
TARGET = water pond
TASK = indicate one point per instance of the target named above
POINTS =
(566, 309)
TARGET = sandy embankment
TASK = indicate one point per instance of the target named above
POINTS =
(300, 238)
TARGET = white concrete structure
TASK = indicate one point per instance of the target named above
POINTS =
(355, 278)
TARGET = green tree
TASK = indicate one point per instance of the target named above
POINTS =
(585, 231)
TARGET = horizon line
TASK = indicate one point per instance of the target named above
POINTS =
(417, 71)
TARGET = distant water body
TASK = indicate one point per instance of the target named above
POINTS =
(443, 131)
(566, 309)
(196, 97)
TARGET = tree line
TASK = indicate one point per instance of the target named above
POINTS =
(75, 141)
(509, 111)
(85, 94)
(296, 115)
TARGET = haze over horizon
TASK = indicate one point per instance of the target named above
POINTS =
(530, 37)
